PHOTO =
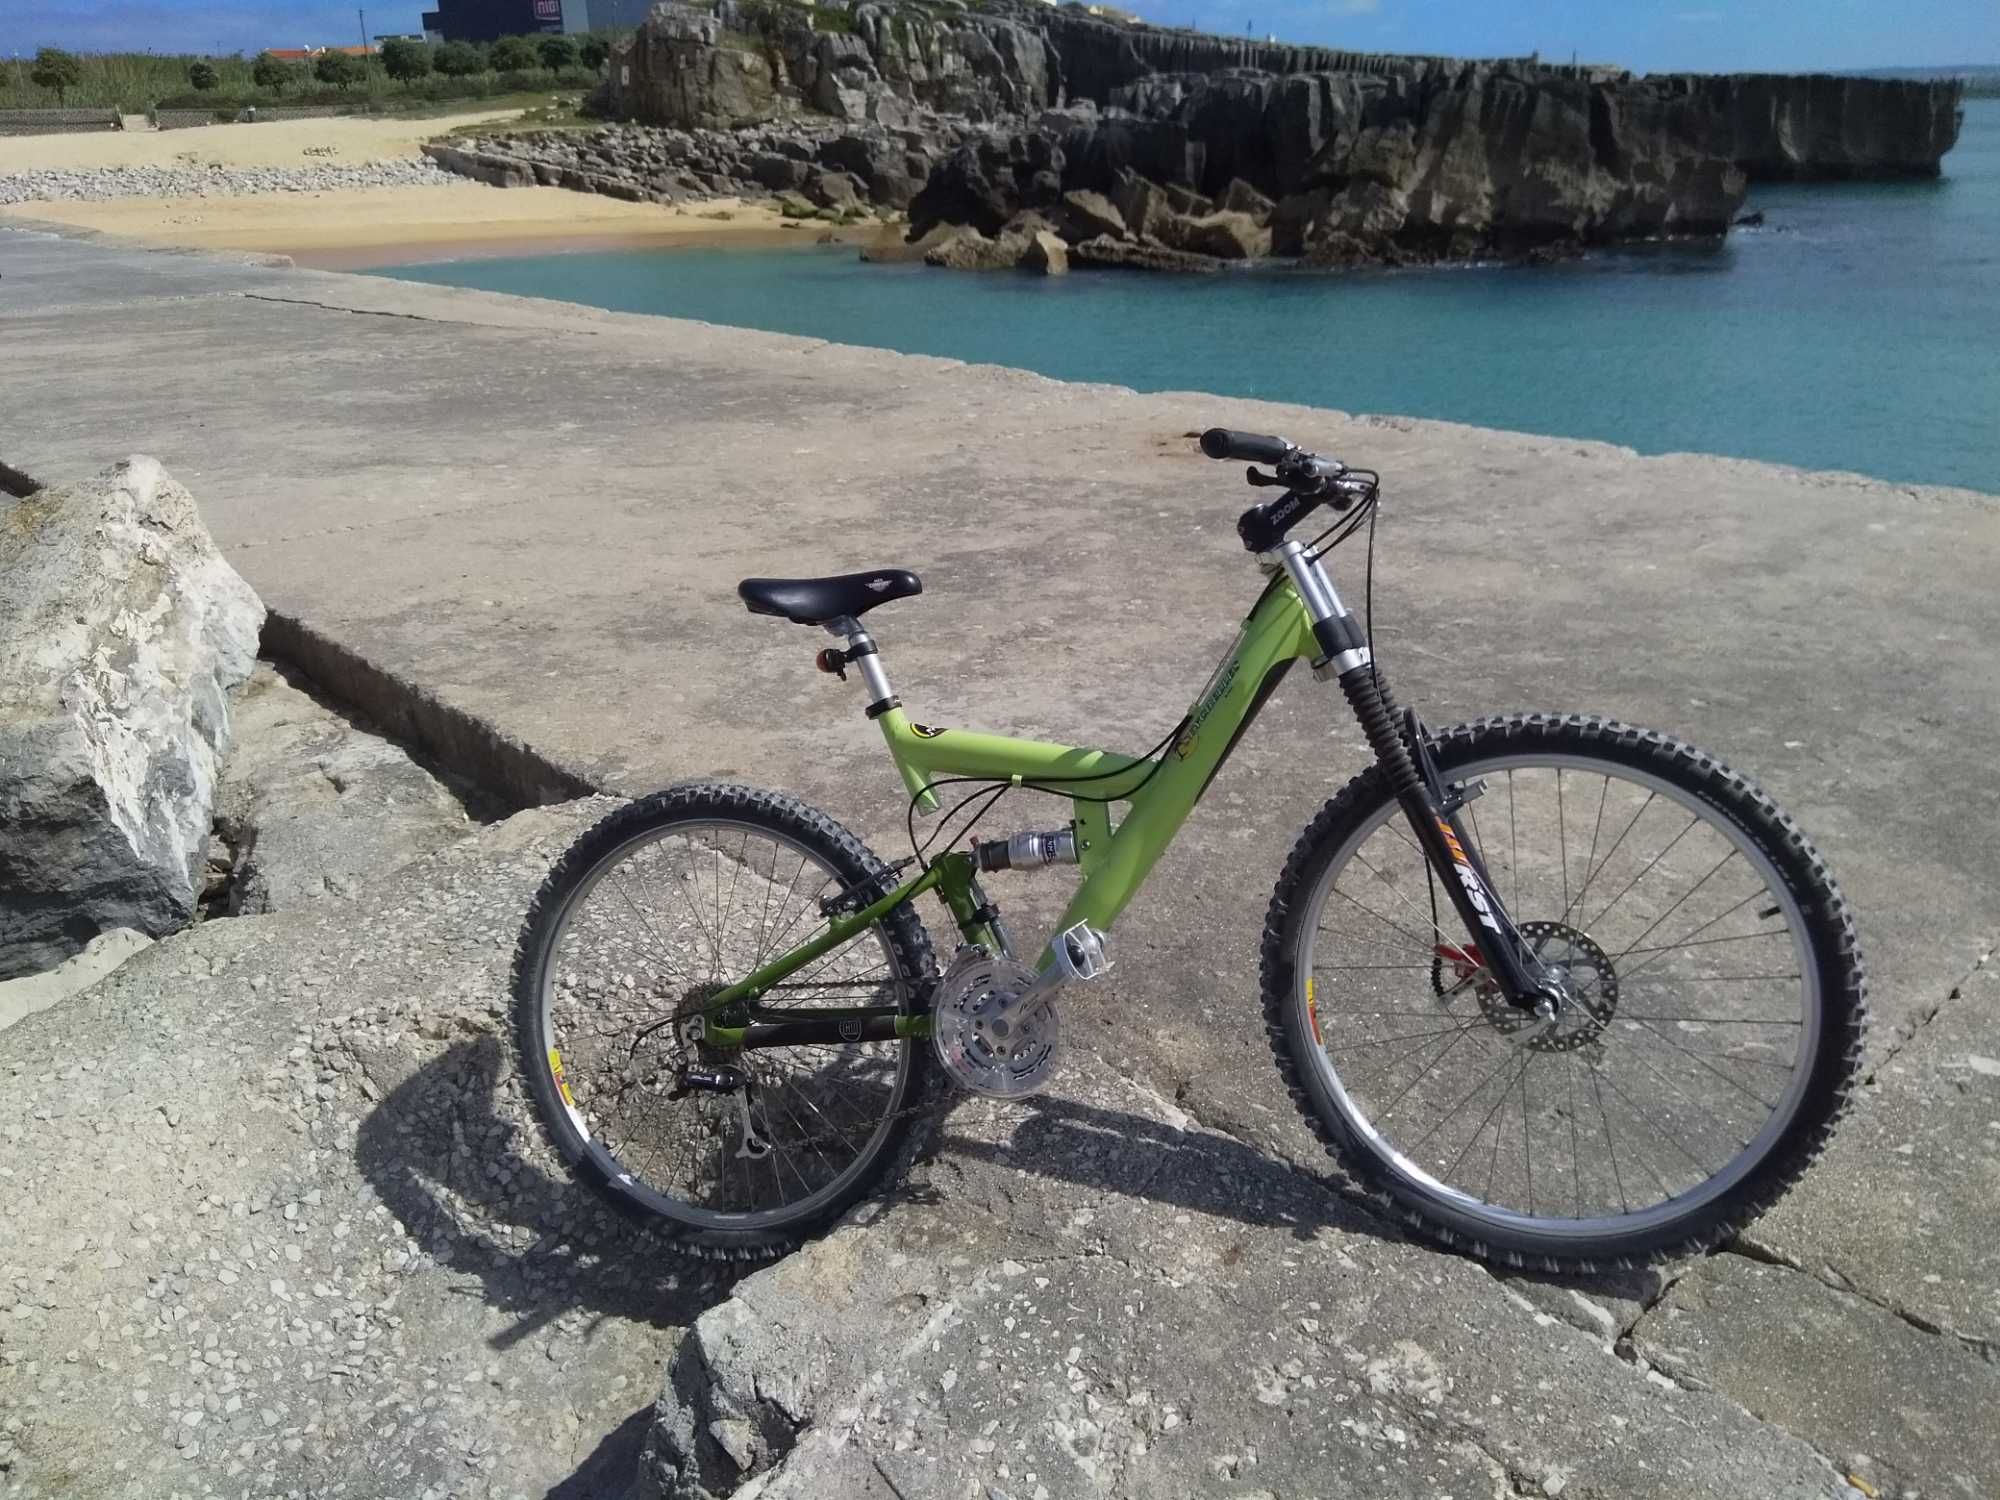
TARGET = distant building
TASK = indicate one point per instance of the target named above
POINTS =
(486, 20)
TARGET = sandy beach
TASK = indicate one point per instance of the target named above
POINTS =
(351, 229)
(355, 228)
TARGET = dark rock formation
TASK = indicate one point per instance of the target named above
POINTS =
(1196, 148)
(1780, 127)
(1007, 60)
(1338, 168)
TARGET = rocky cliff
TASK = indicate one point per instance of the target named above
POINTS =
(1781, 127)
(1003, 113)
(742, 61)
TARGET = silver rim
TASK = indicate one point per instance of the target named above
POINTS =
(1686, 1059)
(688, 907)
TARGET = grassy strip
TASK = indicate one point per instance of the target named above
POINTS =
(134, 82)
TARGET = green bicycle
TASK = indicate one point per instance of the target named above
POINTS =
(1559, 991)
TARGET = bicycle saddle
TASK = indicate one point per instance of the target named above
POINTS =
(814, 601)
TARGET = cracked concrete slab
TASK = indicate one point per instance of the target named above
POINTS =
(285, 1232)
(1901, 1207)
(1908, 1412)
(1092, 1295)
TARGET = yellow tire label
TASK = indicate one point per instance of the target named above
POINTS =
(1312, 1011)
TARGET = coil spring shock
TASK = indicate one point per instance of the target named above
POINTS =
(1368, 695)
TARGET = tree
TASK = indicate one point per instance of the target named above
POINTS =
(557, 53)
(58, 70)
(459, 59)
(338, 69)
(404, 60)
(515, 54)
(269, 72)
(592, 51)
(202, 75)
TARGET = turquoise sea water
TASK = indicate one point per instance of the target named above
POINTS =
(1859, 329)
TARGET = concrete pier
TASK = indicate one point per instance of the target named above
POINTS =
(534, 515)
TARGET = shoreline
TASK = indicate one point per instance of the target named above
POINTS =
(359, 229)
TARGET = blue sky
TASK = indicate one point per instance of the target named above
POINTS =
(1651, 35)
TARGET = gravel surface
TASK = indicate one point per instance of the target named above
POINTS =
(212, 180)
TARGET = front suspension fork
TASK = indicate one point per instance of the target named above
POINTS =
(1433, 818)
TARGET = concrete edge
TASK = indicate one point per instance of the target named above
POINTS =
(401, 709)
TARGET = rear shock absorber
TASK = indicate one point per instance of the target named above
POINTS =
(1025, 851)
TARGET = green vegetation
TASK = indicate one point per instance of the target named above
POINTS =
(459, 60)
(58, 70)
(405, 61)
(406, 75)
(513, 54)
(338, 69)
(271, 73)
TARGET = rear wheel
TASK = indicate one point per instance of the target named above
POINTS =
(656, 909)
(1716, 1020)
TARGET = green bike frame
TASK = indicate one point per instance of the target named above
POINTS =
(1114, 860)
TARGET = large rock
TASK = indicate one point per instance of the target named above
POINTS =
(1046, 252)
(1139, 256)
(966, 249)
(122, 633)
(680, 69)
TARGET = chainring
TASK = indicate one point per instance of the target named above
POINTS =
(980, 1037)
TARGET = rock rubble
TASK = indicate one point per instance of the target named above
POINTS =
(210, 181)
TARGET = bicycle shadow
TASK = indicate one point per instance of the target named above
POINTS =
(449, 1162)
(1114, 1152)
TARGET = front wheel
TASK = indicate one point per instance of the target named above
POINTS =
(1715, 1026)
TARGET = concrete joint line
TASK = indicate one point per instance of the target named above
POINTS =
(462, 742)
(378, 312)
(1835, 1280)
(1909, 1033)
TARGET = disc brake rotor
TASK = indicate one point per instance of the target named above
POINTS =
(982, 1038)
(1585, 970)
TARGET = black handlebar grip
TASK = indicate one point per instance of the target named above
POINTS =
(1220, 442)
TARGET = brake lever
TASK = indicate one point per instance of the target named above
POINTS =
(1253, 477)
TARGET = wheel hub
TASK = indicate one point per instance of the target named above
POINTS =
(1586, 977)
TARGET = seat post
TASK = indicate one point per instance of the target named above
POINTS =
(861, 651)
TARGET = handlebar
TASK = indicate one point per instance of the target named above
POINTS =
(1220, 442)
(1308, 480)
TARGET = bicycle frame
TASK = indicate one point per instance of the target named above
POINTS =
(1114, 860)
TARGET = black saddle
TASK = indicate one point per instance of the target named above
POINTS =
(814, 601)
